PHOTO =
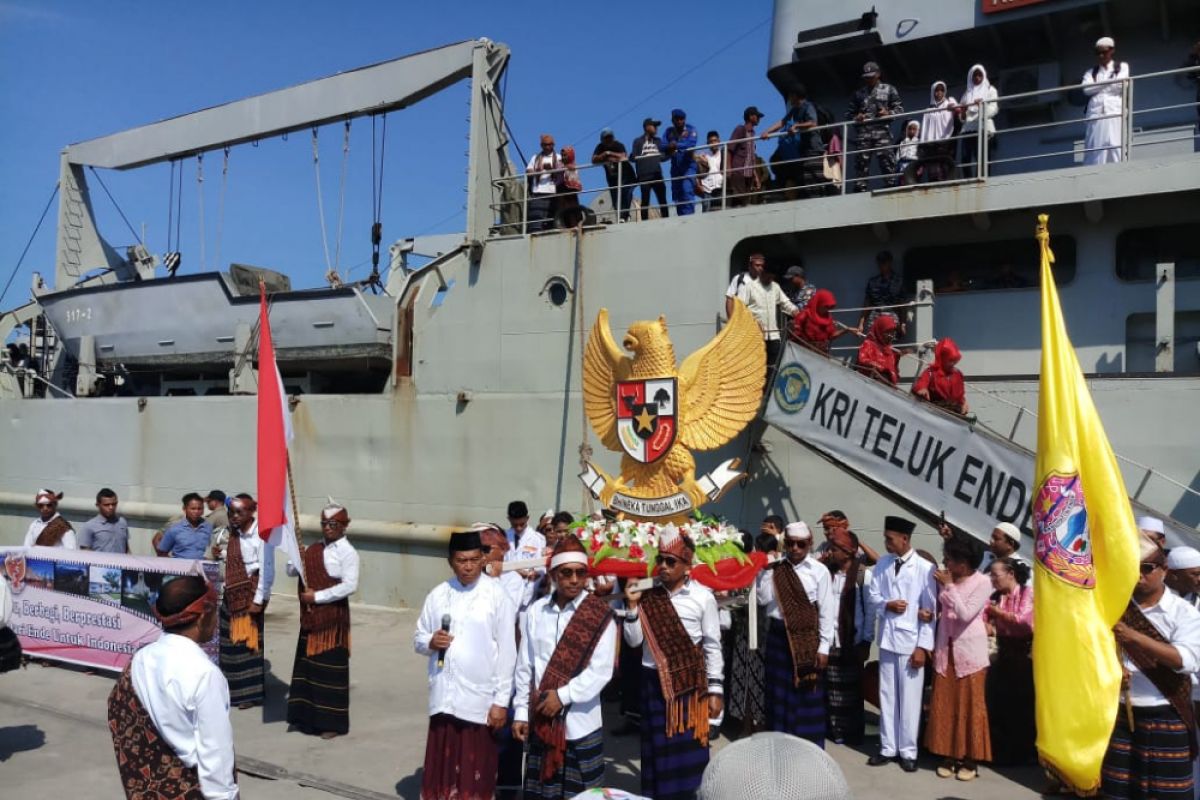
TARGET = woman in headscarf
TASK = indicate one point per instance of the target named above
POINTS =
(977, 107)
(1010, 679)
(876, 356)
(937, 134)
(941, 383)
(814, 326)
(957, 728)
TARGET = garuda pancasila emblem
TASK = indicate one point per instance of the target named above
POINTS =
(656, 414)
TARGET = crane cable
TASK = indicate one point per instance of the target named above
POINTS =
(329, 273)
(337, 247)
(221, 205)
(200, 202)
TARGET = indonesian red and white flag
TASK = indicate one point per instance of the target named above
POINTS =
(275, 522)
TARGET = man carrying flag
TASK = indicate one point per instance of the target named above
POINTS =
(1086, 560)
(1154, 742)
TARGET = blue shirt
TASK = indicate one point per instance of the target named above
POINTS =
(104, 535)
(181, 540)
(683, 159)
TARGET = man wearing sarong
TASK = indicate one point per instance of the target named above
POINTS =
(319, 698)
(249, 574)
(49, 529)
(800, 608)
(1154, 741)
(682, 670)
(845, 721)
(568, 646)
(169, 712)
(467, 629)
(901, 588)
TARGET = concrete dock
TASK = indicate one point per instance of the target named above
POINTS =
(54, 741)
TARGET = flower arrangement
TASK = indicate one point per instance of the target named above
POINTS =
(637, 542)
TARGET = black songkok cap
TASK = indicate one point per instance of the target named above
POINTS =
(899, 525)
(467, 540)
(518, 509)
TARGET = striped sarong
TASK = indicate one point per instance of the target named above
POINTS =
(671, 765)
(1150, 761)
(319, 698)
(583, 768)
(798, 711)
(244, 669)
(845, 719)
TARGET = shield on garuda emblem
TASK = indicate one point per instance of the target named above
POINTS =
(646, 421)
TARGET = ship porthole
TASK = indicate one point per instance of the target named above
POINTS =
(557, 290)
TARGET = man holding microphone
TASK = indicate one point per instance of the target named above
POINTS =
(467, 629)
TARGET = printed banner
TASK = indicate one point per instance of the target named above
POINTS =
(936, 460)
(91, 608)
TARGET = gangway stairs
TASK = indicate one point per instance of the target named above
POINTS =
(925, 459)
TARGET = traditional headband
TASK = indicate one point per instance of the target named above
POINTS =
(334, 511)
(195, 610)
(48, 494)
(568, 557)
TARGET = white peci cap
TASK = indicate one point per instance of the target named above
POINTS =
(797, 530)
(1150, 524)
(1183, 558)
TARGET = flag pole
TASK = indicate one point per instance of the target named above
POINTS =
(295, 510)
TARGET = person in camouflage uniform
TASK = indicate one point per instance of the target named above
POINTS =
(872, 107)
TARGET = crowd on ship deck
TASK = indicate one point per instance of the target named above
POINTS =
(796, 310)
(945, 142)
(524, 644)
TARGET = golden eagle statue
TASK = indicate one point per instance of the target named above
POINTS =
(656, 413)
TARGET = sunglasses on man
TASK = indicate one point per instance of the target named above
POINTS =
(670, 562)
(1148, 568)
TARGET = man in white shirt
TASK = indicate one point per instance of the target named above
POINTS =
(801, 616)
(524, 542)
(249, 574)
(467, 630)
(711, 164)
(1104, 86)
(679, 624)
(902, 597)
(1153, 743)
(169, 712)
(568, 647)
(544, 173)
(49, 529)
(319, 698)
(850, 577)
(758, 289)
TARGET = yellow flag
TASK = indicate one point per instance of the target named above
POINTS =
(1087, 559)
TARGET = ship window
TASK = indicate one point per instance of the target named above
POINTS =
(985, 266)
(1139, 250)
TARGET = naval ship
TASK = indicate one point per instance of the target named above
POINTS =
(433, 393)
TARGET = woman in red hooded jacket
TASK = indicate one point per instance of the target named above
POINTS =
(814, 326)
(941, 383)
(876, 356)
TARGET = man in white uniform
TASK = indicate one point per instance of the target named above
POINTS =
(902, 586)
(1102, 142)
(467, 630)
(172, 689)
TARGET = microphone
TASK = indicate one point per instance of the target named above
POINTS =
(441, 662)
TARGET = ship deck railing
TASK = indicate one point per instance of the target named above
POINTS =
(512, 215)
(916, 354)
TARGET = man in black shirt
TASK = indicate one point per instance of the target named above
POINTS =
(612, 155)
(649, 151)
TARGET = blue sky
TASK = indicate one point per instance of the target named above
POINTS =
(77, 70)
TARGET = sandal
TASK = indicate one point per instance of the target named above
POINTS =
(945, 769)
(967, 773)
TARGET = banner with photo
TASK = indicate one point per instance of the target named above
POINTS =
(91, 608)
(929, 457)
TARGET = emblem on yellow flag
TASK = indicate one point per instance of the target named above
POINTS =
(655, 414)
